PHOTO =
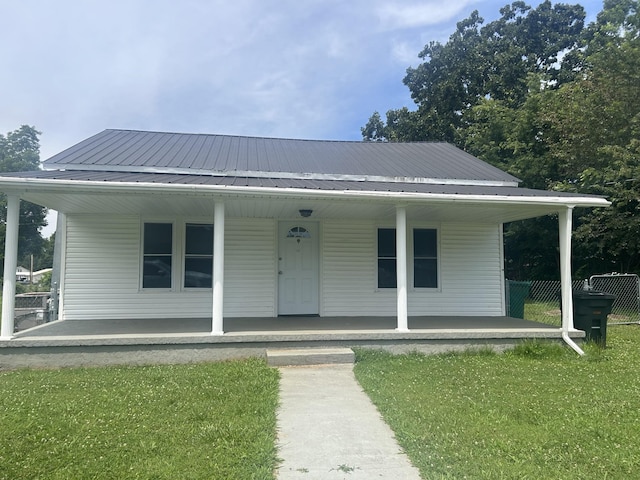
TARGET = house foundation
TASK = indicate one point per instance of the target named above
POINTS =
(162, 341)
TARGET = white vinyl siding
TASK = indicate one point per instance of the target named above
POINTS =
(103, 260)
(250, 268)
(469, 263)
(471, 273)
(102, 276)
(103, 268)
(349, 265)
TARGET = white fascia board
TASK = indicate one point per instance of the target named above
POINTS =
(10, 185)
(577, 201)
(290, 175)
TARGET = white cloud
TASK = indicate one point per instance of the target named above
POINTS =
(246, 67)
(401, 15)
(404, 52)
(313, 68)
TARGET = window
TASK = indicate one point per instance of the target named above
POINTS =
(387, 273)
(198, 255)
(195, 249)
(425, 258)
(158, 254)
(298, 232)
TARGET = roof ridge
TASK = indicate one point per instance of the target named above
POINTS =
(262, 137)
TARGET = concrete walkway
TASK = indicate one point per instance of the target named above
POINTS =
(329, 429)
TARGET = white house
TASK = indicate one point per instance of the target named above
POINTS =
(24, 275)
(168, 225)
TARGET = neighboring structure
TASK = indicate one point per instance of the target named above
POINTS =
(166, 225)
(24, 275)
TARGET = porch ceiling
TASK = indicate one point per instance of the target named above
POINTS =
(273, 206)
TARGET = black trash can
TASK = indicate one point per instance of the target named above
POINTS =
(590, 310)
(518, 293)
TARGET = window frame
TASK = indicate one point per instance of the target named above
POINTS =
(411, 257)
(178, 253)
(378, 258)
(143, 255)
(411, 266)
(184, 255)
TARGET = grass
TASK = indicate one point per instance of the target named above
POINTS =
(156, 422)
(538, 412)
(543, 312)
(549, 312)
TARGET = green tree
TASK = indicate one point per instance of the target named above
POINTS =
(610, 130)
(581, 136)
(551, 102)
(45, 260)
(20, 151)
(374, 130)
(484, 62)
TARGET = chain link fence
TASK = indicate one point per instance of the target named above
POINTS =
(542, 303)
(626, 288)
(31, 309)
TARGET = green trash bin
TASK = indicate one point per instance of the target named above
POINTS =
(518, 293)
(590, 311)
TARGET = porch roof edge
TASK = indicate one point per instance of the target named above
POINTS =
(488, 194)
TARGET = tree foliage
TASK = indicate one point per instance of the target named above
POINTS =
(479, 62)
(20, 151)
(553, 102)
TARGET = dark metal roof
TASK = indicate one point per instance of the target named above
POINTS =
(143, 152)
(324, 185)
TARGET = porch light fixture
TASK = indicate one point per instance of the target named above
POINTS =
(305, 213)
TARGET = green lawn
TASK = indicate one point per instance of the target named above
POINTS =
(536, 413)
(543, 312)
(549, 312)
(206, 421)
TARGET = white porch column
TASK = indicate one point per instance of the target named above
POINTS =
(10, 266)
(217, 327)
(565, 224)
(401, 268)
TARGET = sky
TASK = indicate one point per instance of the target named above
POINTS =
(312, 69)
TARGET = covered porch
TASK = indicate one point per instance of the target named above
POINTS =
(146, 341)
(487, 210)
(290, 326)
(105, 303)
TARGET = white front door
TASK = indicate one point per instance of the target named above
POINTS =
(298, 268)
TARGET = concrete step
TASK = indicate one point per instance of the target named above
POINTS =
(309, 356)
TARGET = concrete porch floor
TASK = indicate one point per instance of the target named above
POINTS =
(120, 341)
(286, 325)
